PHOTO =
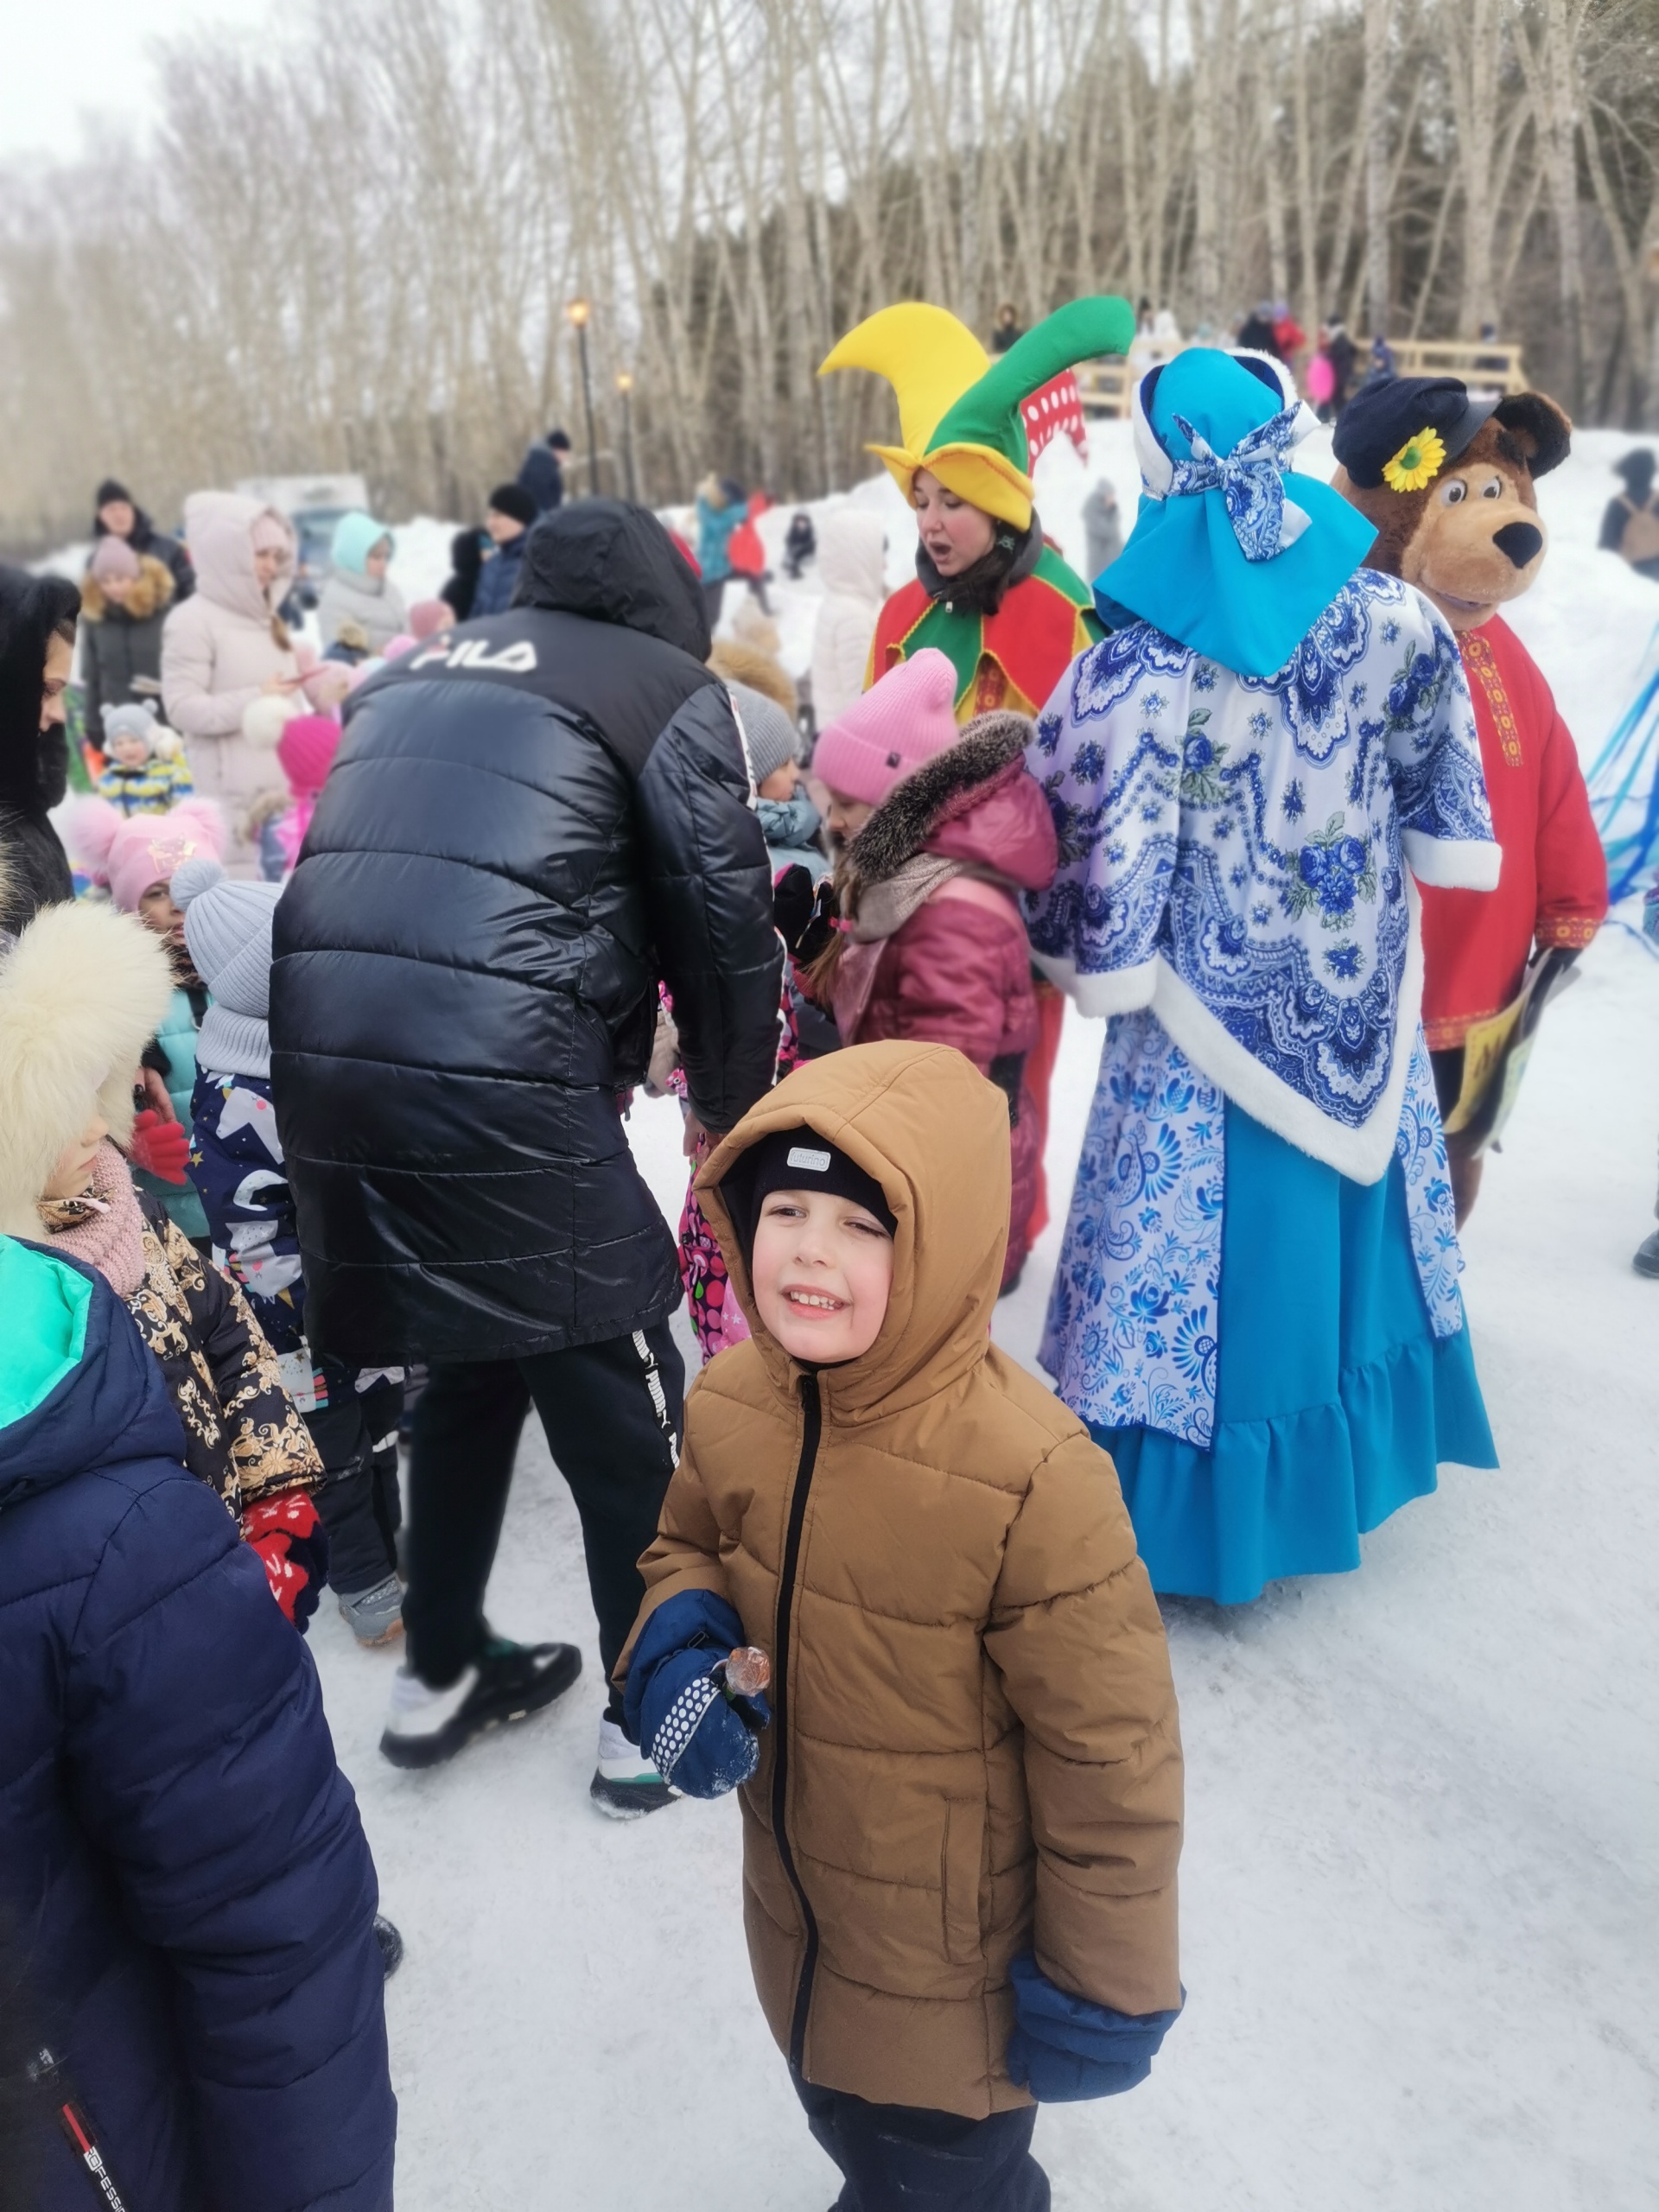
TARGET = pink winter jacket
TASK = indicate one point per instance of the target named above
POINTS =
(218, 651)
(958, 972)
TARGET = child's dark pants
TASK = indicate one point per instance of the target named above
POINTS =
(612, 1414)
(903, 2159)
(356, 1437)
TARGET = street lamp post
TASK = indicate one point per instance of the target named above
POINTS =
(625, 387)
(579, 311)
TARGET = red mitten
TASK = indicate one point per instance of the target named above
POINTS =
(161, 1147)
(288, 1534)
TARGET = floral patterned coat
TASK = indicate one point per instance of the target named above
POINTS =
(242, 1433)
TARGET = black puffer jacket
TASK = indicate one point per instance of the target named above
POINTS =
(530, 821)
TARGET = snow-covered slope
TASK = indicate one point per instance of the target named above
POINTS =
(1420, 1884)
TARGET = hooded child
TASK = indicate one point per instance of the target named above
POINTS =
(237, 1166)
(939, 830)
(358, 590)
(145, 771)
(133, 857)
(961, 1785)
(1256, 1309)
(79, 993)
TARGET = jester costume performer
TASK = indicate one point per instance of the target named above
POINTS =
(1256, 1309)
(1011, 626)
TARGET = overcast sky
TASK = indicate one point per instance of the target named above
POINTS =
(92, 58)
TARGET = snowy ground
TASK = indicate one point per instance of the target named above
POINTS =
(1422, 1859)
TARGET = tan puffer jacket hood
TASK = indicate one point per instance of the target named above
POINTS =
(975, 1749)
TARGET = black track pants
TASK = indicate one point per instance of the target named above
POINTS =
(903, 2159)
(612, 1412)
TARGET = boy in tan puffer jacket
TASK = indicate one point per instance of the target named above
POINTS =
(962, 1801)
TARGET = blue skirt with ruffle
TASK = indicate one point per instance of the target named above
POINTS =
(1335, 1402)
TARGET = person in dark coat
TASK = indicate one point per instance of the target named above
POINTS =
(466, 566)
(507, 521)
(543, 471)
(37, 652)
(175, 1837)
(117, 514)
(531, 822)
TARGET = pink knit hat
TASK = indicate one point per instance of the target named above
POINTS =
(307, 749)
(427, 616)
(130, 852)
(112, 556)
(903, 720)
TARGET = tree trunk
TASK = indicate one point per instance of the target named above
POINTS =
(1375, 126)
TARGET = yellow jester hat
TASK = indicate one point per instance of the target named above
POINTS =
(959, 416)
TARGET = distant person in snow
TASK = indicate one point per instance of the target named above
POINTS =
(1009, 327)
(359, 588)
(800, 545)
(1629, 524)
(117, 515)
(1103, 528)
(1255, 333)
(508, 520)
(125, 598)
(541, 472)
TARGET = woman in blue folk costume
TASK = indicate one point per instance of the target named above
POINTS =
(1256, 1309)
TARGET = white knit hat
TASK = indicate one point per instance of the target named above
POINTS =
(227, 932)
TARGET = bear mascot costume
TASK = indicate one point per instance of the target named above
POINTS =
(1447, 479)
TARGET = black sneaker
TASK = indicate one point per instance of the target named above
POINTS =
(391, 1945)
(426, 1726)
(1646, 1261)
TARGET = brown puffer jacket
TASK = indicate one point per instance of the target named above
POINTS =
(975, 1749)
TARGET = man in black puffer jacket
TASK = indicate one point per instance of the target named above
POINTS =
(530, 820)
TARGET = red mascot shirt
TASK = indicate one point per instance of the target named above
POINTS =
(1552, 888)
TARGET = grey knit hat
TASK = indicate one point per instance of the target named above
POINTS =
(227, 932)
(773, 740)
(137, 719)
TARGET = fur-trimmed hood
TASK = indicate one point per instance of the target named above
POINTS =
(151, 594)
(81, 993)
(735, 663)
(975, 802)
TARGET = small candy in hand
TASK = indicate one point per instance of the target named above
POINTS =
(749, 1671)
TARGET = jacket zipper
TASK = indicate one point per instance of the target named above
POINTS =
(812, 1428)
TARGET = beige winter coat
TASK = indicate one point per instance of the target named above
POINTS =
(218, 649)
(851, 562)
(975, 1749)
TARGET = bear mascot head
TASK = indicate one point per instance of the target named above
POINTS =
(1448, 478)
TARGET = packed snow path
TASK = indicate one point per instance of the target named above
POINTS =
(1419, 1886)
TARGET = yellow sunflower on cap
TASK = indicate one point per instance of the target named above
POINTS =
(1419, 462)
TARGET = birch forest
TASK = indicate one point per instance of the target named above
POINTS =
(353, 246)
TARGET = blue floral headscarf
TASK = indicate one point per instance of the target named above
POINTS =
(1226, 555)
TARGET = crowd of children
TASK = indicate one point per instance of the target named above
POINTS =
(1196, 792)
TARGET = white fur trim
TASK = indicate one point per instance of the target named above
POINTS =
(81, 995)
(1125, 990)
(1454, 863)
